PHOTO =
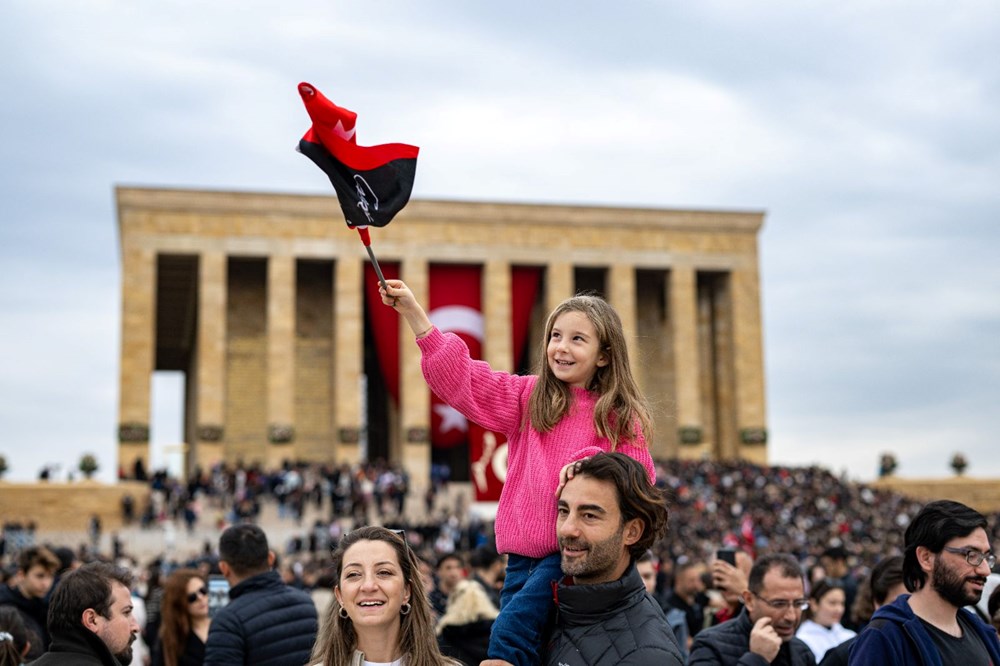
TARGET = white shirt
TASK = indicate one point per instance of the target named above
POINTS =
(820, 639)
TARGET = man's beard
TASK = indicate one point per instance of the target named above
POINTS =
(951, 587)
(601, 557)
(125, 658)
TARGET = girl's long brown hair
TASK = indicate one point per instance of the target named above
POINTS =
(336, 644)
(621, 406)
(176, 623)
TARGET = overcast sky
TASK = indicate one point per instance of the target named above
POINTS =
(869, 132)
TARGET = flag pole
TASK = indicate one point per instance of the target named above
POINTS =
(366, 240)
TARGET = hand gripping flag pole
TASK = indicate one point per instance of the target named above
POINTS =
(373, 183)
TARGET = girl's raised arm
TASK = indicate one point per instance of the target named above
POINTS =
(401, 299)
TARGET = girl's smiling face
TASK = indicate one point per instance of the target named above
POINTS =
(371, 588)
(574, 353)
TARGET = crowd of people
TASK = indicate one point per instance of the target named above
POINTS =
(598, 554)
(236, 491)
(462, 573)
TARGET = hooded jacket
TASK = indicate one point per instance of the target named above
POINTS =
(896, 635)
(729, 643)
(610, 624)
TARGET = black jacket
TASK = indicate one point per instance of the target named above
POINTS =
(193, 654)
(466, 642)
(610, 624)
(34, 612)
(728, 644)
(266, 623)
(77, 648)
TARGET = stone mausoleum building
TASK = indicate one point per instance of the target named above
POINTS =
(267, 304)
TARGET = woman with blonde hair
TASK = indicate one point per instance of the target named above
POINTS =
(380, 613)
(185, 620)
(464, 629)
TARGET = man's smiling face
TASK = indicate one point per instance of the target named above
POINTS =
(592, 538)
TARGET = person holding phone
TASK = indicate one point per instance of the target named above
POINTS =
(184, 627)
(764, 631)
(730, 575)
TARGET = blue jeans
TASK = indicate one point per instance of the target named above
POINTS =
(525, 609)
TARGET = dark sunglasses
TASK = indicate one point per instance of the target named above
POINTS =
(200, 592)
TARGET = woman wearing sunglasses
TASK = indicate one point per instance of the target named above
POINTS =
(184, 625)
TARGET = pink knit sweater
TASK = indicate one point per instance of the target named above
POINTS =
(498, 401)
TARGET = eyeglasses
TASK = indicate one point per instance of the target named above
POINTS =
(973, 556)
(200, 592)
(784, 604)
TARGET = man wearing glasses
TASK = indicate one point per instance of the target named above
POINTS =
(764, 633)
(946, 558)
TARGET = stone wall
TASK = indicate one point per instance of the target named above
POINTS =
(69, 506)
(981, 494)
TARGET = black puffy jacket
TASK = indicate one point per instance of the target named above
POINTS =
(611, 624)
(728, 644)
(266, 623)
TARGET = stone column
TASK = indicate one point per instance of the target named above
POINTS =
(280, 358)
(498, 343)
(621, 295)
(684, 328)
(725, 395)
(415, 397)
(348, 356)
(749, 364)
(210, 385)
(558, 284)
(138, 349)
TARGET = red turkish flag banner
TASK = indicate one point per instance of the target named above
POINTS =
(487, 463)
(385, 326)
(488, 450)
(455, 305)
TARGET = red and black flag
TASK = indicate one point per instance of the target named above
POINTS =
(373, 183)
